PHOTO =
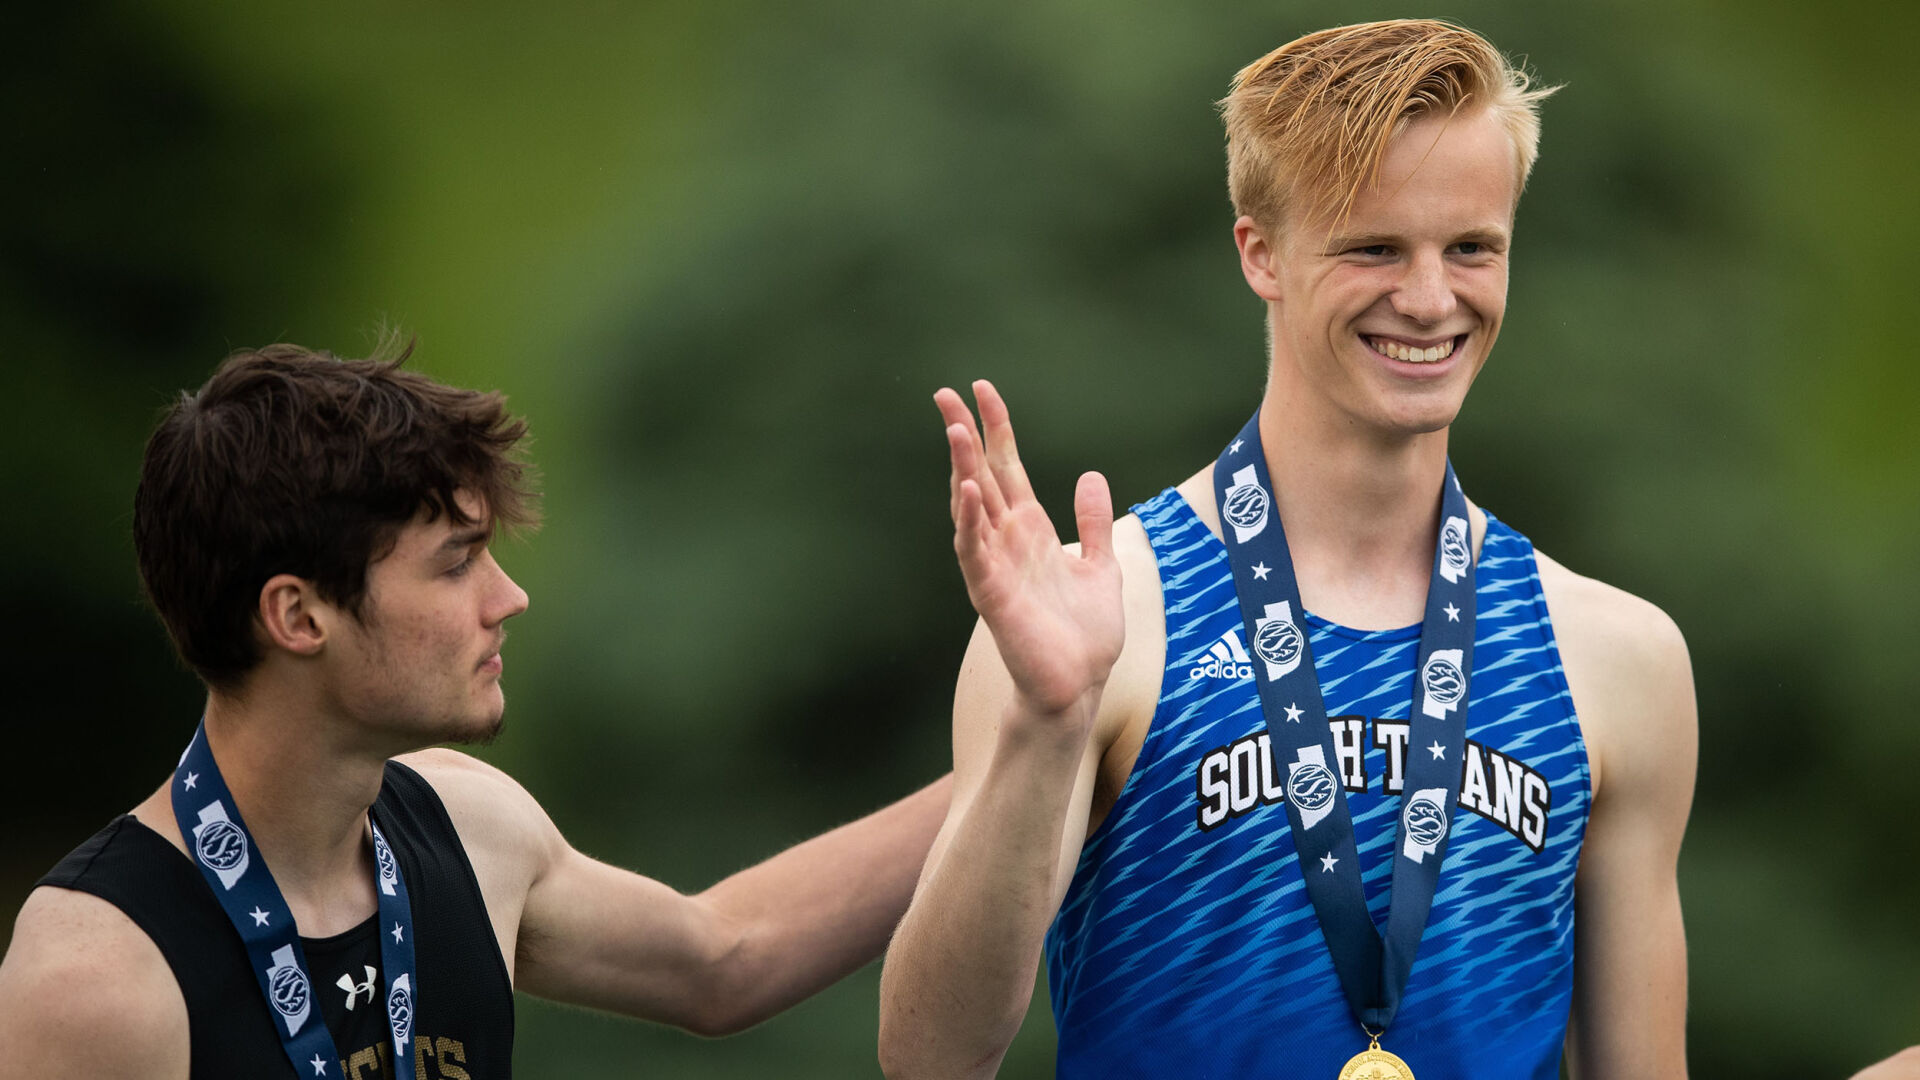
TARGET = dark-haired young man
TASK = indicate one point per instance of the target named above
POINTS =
(311, 894)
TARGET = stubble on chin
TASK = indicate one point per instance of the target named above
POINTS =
(492, 732)
(485, 733)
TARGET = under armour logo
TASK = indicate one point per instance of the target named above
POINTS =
(354, 990)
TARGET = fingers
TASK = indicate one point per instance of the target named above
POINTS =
(1093, 516)
(969, 459)
(968, 522)
(965, 454)
(1003, 457)
(972, 544)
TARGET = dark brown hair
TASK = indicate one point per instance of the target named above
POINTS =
(298, 462)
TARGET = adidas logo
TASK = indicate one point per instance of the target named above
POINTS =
(1224, 659)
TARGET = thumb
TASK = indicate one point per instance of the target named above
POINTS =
(1093, 516)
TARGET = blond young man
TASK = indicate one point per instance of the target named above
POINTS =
(1148, 792)
(311, 893)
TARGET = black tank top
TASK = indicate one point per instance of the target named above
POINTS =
(463, 1027)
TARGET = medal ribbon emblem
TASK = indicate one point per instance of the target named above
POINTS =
(235, 870)
(1373, 970)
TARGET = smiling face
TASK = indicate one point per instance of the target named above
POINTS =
(1386, 318)
(424, 660)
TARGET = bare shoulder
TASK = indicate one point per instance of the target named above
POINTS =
(1136, 675)
(509, 839)
(490, 809)
(79, 967)
(1610, 633)
(1133, 689)
(1627, 667)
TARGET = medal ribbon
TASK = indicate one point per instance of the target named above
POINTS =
(224, 851)
(1372, 972)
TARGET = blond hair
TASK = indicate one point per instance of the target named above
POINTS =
(1310, 121)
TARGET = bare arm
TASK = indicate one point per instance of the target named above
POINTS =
(1904, 1065)
(1632, 685)
(86, 995)
(1027, 745)
(587, 933)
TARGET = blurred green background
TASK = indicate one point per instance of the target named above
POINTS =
(721, 252)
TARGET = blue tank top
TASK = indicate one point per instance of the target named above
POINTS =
(1186, 945)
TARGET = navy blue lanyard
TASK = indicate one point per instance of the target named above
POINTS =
(225, 853)
(1373, 973)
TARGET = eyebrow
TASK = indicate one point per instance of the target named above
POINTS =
(1487, 234)
(1484, 234)
(1342, 243)
(466, 538)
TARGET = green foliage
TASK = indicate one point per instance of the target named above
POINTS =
(722, 254)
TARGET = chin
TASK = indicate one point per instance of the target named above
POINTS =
(491, 733)
(1421, 417)
(476, 728)
(480, 731)
(1426, 423)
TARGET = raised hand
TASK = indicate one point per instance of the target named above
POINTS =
(1055, 615)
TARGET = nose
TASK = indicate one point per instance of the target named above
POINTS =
(1425, 293)
(507, 598)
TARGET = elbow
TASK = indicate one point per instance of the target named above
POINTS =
(900, 1056)
(894, 1065)
(730, 1000)
(912, 1056)
(917, 1046)
(724, 994)
(717, 1020)
(723, 1004)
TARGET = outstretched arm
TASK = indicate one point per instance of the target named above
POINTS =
(581, 931)
(1027, 745)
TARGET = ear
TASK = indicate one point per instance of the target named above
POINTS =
(293, 616)
(1258, 255)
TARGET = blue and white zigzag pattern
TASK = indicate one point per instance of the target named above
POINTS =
(1180, 952)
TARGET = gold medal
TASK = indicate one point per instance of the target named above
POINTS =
(1374, 1063)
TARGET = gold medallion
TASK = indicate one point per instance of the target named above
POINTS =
(1374, 1063)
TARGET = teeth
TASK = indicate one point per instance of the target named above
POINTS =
(1389, 347)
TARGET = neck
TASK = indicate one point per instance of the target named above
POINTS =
(1361, 510)
(304, 792)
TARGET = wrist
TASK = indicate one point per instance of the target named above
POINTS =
(1066, 724)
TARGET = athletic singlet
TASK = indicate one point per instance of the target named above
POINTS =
(1186, 945)
(463, 1029)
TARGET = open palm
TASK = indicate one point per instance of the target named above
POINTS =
(1056, 615)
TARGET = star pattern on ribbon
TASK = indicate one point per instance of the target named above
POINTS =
(268, 938)
(1258, 553)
